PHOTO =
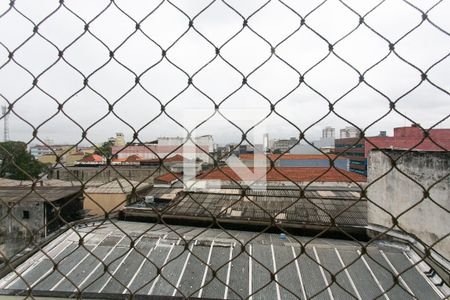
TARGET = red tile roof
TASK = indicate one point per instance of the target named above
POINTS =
(118, 159)
(289, 156)
(296, 174)
(175, 158)
(92, 158)
(169, 177)
(133, 158)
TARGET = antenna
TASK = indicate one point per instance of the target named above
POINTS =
(6, 123)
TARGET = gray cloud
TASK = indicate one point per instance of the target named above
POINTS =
(277, 80)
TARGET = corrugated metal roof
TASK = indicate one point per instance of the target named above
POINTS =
(50, 182)
(39, 194)
(187, 257)
(314, 208)
(117, 186)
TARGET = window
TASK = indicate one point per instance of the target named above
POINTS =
(25, 214)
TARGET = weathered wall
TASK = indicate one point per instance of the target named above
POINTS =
(396, 193)
(14, 226)
(108, 174)
(109, 202)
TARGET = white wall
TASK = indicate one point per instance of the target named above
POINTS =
(396, 193)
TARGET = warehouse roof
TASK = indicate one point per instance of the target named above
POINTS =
(263, 265)
(38, 194)
(117, 186)
(50, 182)
(286, 206)
(295, 174)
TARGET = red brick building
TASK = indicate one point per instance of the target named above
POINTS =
(405, 138)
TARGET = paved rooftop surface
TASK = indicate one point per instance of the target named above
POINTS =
(185, 273)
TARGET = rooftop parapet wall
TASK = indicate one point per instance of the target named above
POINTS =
(427, 218)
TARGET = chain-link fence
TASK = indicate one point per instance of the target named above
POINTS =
(365, 218)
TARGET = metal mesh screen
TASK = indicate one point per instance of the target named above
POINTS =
(80, 68)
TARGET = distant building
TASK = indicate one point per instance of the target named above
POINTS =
(405, 138)
(40, 150)
(349, 132)
(266, 143)
(204, 140)
(249, 149)
(87, 149)
(328, 132)
(324, 145)
(297, 160)
(283, 145)
(230, 149)
(170, 146)
(71, 158)
(304, 148)
(91, 160)
(130, 160)
(67, 154)
(168, 162)
(118, 140)
(382, 133)
(353, 149)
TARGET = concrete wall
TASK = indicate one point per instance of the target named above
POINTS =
(109, 202)
(39, 216)
(13, 225)
(396, 193)
(108, 174)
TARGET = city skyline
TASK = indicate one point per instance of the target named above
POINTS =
(302, 103)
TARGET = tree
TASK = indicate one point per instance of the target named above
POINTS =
(18, 163)
(105, 149)
(277, 151)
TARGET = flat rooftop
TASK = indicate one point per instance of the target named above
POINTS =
(213, 263)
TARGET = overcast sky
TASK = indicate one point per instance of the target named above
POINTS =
(275, 81)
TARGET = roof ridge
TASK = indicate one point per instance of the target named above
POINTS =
(120, 184)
